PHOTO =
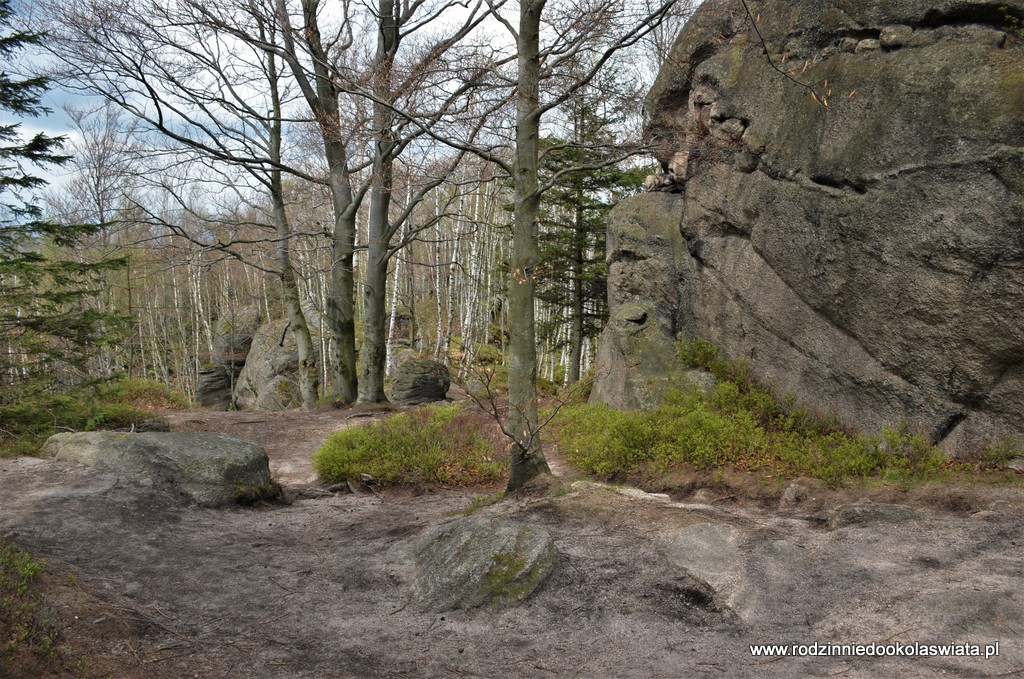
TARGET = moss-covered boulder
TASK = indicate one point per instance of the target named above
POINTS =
(477, 561)
(209, 469)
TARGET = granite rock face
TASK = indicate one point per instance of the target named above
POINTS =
(232, 339)
(867, 256)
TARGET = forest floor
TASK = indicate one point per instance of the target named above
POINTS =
(142, 586)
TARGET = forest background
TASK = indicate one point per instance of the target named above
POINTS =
(395, 178)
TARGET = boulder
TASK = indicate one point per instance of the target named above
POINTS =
(477, 561)
(273, 355)
(210, 469)
(865, 513)
(865, 256)
(419, 380)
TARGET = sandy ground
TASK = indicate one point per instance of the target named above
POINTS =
(146, 587)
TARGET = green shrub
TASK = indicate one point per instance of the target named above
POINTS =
(26, 624)
(738, 424)
(143, 394)
(998, 452)
(431, 446)
(30, 413)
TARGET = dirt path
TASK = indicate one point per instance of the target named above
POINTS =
(289, 437)
(146, 587)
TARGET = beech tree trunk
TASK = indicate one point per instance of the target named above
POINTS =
(375, 338)
(309, 384)
(321, 95)
(527, 457)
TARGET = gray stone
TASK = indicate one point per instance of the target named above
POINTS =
(213, 388)
(280, 393)
(868, 45)
(700, 379)
(232, 339)
(869, 263)
(709, 553)
(867, 513)
(636, 359)
(419, 380)
(273, 354)
(896, 36)
(477, 561)
(1016, 464)
(210, 469)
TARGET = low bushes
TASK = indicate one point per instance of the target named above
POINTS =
(430, 446)
(27, 632)
(32, 412)
(741, 425)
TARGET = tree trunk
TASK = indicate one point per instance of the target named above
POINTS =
(576, 284)
(374, 359)
(527, 458)
(309, 385)
(322, 98)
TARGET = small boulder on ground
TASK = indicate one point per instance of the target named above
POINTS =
(865, 512)
(210, 469)
(420, 380)
(476, 561)
(709, 553)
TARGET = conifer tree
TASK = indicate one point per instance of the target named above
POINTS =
(572, 239)
(41, 318)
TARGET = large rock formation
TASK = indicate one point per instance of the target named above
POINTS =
(419, 380)
(269, 380)
(232, 339)
(867, 256)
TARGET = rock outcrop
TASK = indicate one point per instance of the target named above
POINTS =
(419, 380)
(232, 339)
(269, 379)
(866, 255)
(210, 469)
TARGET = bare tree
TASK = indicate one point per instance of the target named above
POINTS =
(588, 38)
(177, 76)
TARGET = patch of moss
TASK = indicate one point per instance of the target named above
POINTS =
(508, 579)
